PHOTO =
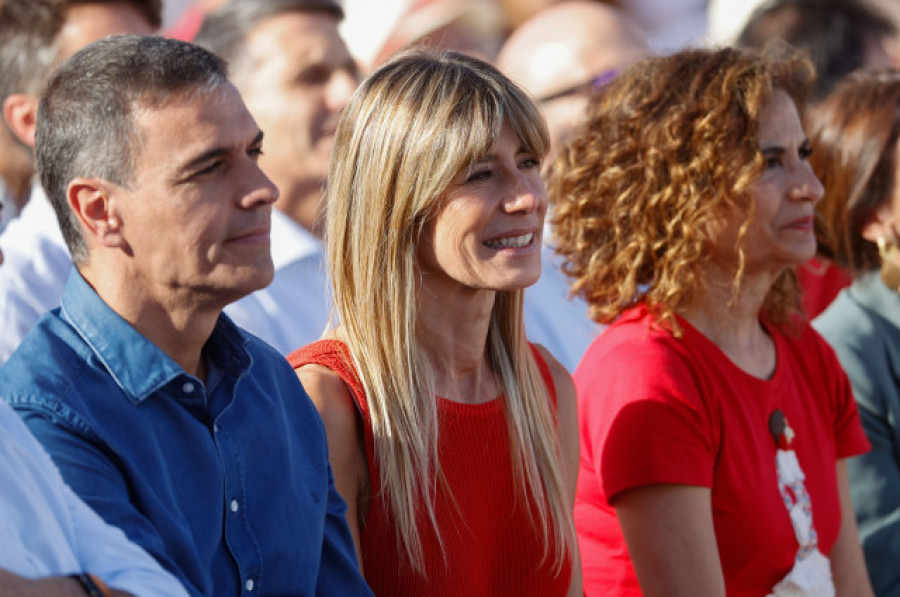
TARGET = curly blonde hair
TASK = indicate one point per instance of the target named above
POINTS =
(668, 148)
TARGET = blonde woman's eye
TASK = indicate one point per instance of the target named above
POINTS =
(479, 175)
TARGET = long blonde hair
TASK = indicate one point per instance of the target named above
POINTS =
(410, 128)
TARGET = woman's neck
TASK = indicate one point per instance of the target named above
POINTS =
(455, 327)
(732, 322)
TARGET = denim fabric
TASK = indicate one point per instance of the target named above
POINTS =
(45, 530)
(227, 484)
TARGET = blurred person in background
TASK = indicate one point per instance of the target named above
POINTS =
(564, 53)
(35, 36)
(840, 36)
(855, 135)
(295, 75)
(670, 25)
(188, 23)
(561, 55)
(715, 424)
(474, 27)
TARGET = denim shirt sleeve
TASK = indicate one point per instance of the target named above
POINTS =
(93, 476)
(47, 529)
(339, 571)
(106, 552)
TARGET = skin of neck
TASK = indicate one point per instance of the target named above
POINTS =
(456, 325)
(175, 320)
(732, 322)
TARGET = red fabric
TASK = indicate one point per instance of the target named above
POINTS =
(188, 24)
(655, 409)
(821, 281)
(491, 547)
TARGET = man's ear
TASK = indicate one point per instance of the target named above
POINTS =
(94, 202)
(20, 114)
(880, 224)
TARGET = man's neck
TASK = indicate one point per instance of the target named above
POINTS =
(176, 322)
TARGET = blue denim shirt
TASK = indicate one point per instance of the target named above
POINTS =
(226, 484)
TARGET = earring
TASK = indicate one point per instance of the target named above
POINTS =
(890, 255)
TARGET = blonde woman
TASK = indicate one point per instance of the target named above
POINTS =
(452, 439)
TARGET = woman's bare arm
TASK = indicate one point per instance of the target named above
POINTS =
(671, 540)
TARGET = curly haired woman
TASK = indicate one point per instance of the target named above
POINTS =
(714, 422)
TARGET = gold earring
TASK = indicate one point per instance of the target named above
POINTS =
(890, 270)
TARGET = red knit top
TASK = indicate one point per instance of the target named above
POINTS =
(491, 545)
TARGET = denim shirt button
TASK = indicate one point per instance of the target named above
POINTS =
(234, 505)
(249, 584)
(188, 387)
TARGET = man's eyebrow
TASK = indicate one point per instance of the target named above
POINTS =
(213, 153)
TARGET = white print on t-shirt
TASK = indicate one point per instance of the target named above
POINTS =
(811, 574)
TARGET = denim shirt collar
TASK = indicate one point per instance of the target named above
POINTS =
(137, 365)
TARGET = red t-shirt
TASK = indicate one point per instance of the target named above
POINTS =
(821, 281)
(656, 409)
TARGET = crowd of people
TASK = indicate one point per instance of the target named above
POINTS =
(530, 302)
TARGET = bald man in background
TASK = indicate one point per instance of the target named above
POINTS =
(560, 56)
(560, 53)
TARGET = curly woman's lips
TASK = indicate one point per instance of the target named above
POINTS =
(805, 223)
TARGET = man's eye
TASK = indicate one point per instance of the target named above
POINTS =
(209, 169)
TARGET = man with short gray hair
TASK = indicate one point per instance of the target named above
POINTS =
(193, 437)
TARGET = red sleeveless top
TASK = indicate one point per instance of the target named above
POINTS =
(491, 545)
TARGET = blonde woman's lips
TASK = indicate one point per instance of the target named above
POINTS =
(514, 241)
